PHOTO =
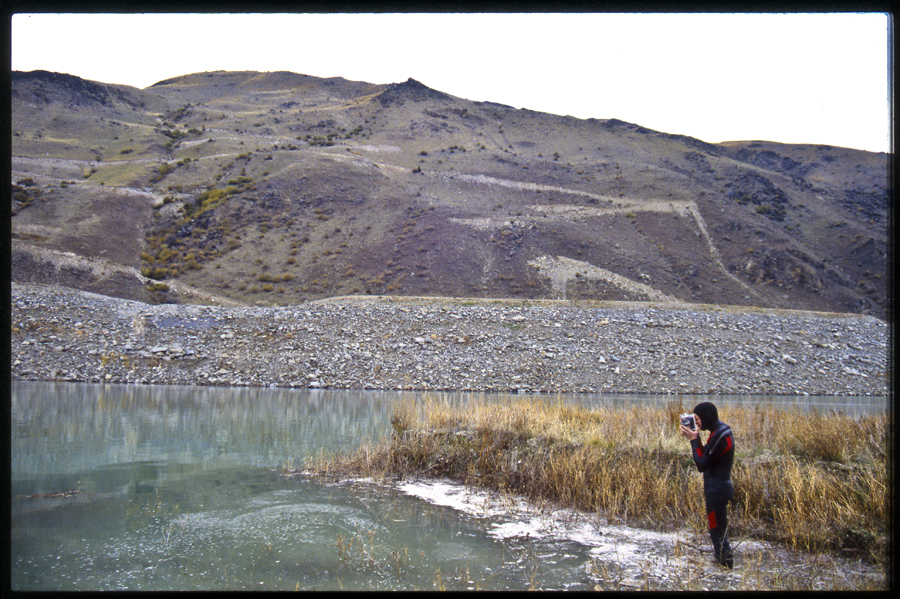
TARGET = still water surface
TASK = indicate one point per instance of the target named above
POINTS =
(181, 488)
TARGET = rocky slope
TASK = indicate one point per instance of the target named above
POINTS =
(444, 344)
(272, 189)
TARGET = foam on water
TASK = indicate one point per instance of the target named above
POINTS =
(513, 517)
(631, 557)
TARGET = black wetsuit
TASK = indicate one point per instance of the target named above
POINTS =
(714, 460)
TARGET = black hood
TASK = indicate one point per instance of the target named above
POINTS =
(708, 414)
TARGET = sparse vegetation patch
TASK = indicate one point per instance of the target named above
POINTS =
(813, 482)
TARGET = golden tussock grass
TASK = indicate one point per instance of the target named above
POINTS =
(817, 482)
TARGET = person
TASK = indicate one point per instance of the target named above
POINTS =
(714, 460)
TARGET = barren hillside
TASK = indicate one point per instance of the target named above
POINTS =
(275, 188)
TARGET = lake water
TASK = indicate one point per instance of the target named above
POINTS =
(182, 488)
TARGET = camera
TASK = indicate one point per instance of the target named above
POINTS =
(689, 421)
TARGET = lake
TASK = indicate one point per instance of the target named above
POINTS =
(182, 488)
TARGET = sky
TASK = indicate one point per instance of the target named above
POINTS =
(790, 78)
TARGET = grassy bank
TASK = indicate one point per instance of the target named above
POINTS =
(812, 482)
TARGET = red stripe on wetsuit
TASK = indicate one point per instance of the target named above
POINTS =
(709, 442)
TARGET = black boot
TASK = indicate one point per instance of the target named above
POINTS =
(726, 558)
(722, 547)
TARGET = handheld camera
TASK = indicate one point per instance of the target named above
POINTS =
(689, 421)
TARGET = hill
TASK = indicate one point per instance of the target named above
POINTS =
(276, 188)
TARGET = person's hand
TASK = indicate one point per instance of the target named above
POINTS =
(689, 434)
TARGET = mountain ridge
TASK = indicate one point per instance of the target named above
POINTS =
(276, 188)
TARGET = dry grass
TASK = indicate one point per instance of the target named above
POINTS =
(810, 481)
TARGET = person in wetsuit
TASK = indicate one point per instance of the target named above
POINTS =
(714, 460)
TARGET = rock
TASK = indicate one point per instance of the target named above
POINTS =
(438, 343)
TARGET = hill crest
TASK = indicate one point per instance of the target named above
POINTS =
(278, 188)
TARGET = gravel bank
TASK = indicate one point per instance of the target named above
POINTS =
(445, 344)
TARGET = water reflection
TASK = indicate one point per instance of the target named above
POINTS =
(61, 428)
(179, 488)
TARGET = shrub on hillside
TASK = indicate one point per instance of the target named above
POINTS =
(155, 273)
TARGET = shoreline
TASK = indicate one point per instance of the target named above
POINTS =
(815, 482)
(448, 344)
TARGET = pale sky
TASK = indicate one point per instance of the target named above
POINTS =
(792, 78)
